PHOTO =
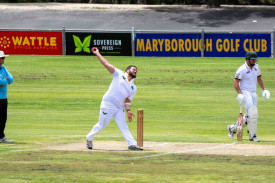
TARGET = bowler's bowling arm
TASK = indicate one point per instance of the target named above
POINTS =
(105, 62)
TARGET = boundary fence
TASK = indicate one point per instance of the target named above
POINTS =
(201, 43)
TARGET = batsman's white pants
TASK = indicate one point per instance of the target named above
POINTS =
(250, 99)
(107, 112)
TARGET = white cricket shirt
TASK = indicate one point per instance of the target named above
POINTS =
(248, 77)
(120, 89)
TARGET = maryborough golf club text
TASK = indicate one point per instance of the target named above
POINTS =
(194, 45)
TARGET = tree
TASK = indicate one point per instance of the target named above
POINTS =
(141, 2)
(213, 3)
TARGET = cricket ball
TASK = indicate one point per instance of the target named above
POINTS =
(94, 49)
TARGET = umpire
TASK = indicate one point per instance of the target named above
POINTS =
(5, 79)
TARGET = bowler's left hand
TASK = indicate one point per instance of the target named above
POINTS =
(130, 116)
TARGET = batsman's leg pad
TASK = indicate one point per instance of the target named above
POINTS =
(245, 117)
(233, 127)
(252, 121)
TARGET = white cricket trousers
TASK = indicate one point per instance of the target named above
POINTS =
(250, 99)
(105, 116)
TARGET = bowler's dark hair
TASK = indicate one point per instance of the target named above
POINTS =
(129, 67)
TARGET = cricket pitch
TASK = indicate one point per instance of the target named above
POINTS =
(233, 148)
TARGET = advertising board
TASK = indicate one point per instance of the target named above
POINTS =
(110, 44)
(189, 45)
(31, 42)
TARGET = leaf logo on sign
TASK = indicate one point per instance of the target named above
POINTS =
(85, 45)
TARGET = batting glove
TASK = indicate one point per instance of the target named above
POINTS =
(266, 94)
(240, 98)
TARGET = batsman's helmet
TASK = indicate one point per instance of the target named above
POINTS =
(251, 55)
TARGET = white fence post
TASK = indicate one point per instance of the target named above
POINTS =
(133, 41)
(273, 43)
(63, 41)
(202, 42)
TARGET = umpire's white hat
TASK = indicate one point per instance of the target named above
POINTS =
(2, 54)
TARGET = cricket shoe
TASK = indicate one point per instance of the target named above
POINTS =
(230, 132)
(135, 148)
(89, 144)
(5, 140)
(254, 139)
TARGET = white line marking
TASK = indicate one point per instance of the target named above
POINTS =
(192, 150)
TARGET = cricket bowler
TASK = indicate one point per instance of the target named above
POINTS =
(119, 96)
(245, 83)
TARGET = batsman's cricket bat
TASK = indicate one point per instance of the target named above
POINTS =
(240, 125)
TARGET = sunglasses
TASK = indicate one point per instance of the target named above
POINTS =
(3, 58)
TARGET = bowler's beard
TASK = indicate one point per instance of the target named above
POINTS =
(132, 74)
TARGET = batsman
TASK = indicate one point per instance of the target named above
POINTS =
(245, 83)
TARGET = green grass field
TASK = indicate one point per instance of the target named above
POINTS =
(56, 99)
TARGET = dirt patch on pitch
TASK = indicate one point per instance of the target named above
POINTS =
(175, 147)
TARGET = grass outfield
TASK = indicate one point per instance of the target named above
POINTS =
(56, 99)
